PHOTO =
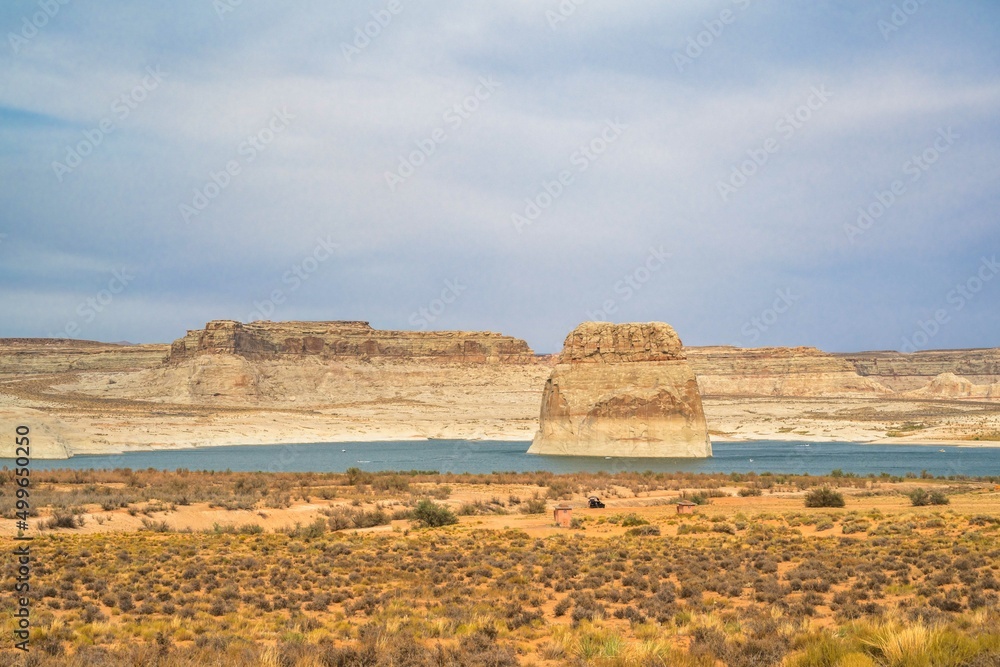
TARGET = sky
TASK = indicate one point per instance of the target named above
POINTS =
(753, 172)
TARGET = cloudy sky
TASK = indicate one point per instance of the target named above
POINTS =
(753, 172)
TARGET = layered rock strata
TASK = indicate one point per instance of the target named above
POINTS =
(907, 372)
(21, 356)
(622, 390)
(778, 371)
(348, 340)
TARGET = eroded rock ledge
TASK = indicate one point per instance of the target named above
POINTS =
(356, 340)
(622, 390)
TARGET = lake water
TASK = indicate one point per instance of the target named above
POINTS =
(496, 456)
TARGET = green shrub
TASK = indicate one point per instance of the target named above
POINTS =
(920, 497)
(342, 518)
(824, 497)
(849, 527)
(939, 498)
(156, 526)
(533, 505)
(433, 515)
(633, 520)
(700, 499)
(749, 491)
(61, 519)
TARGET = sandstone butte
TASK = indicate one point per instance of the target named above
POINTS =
(623, 390)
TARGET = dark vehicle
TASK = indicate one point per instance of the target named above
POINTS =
(595, 502)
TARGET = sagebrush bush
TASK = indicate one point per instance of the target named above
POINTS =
(920, 497)
(824, 497)
(433, 515)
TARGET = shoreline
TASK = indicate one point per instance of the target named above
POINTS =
(369, 438)
(974, 444)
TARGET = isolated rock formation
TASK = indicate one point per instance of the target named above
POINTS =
(348, 340)
(622, 390)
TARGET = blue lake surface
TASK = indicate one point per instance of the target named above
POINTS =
(481, 456)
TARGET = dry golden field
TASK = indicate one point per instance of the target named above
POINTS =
(185, 568)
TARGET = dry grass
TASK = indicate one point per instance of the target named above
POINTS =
(757, 580)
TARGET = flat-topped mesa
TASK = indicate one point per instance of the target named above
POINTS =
(622, 390)
(348, 340)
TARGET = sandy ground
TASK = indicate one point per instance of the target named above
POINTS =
(654, 506)
(865, 420)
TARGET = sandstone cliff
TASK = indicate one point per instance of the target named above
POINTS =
(803, 372)
(20, 356)
(622, 390)
(348, 340)
(949, 385)
(284, 364)
(778, 371)
(907, 372)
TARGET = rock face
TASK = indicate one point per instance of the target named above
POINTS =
(57, 355)
(622, 390)
(778, 371)
(348, 340)
(805, 372)
(48, 435)
(949, 386)
(907, 372)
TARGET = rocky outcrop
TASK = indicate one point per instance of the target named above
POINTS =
(907, 372)
(778, 371)
(47, 434)
(949, 385)
(57, 355)
(805, 372)
(348, 340)
(623, 390)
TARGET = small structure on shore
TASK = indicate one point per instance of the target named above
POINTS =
(563, 515)
(685, 507)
